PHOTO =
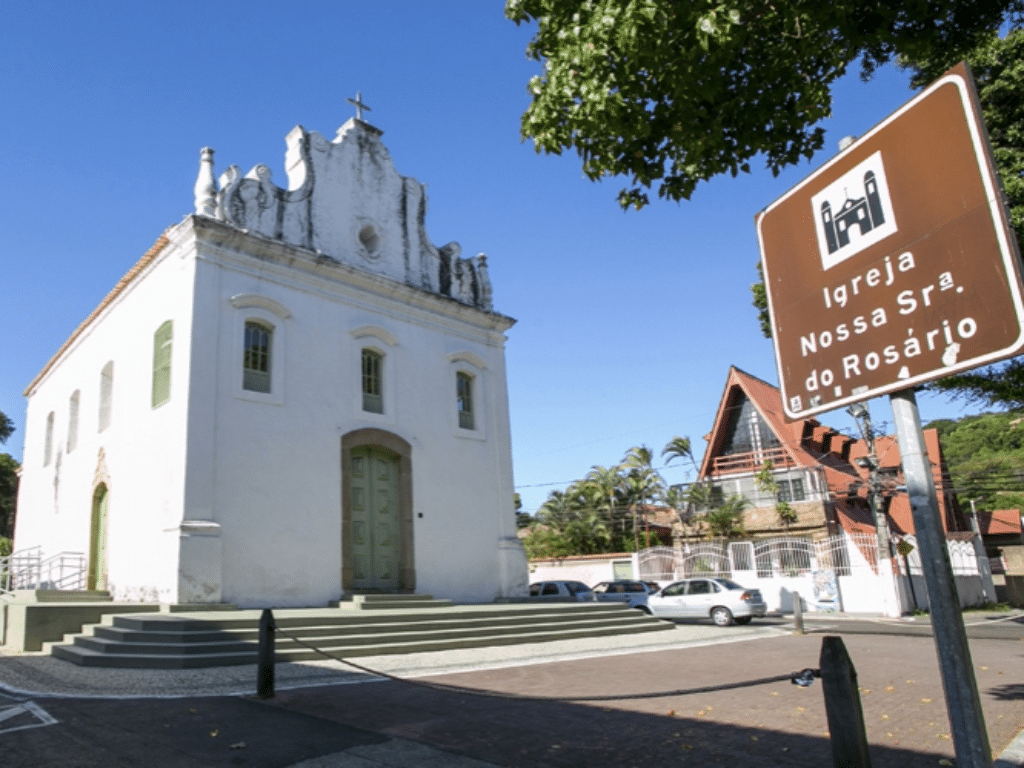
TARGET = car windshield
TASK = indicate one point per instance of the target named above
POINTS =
(729, 584)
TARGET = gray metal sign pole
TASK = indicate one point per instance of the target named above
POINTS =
(970, 738)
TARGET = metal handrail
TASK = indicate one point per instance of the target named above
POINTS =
(27, 569)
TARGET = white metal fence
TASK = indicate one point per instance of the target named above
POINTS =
(789, 556)
(836, 573)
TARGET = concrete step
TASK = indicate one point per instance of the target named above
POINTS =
(397, 602)
(130, 629)
(287, 650)
(160, 641)
(61, 596)
(119, 639)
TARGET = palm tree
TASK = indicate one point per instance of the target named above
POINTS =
(726, 519)
(678, 498)
(679, 448)
(642, 482)
(606, 481)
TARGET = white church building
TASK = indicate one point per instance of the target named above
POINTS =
(292, 396)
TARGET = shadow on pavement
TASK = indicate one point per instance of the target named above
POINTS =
(1009, 691)
(512, 732)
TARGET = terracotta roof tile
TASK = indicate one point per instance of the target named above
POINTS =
(1000, 521)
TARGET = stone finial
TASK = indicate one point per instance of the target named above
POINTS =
(206, 187)
(486, 295)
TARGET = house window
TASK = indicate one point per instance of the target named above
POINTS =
(48, 444)
(746, 431)
(464, 397)
(791, 490)
(162, 340)
(373, 399)
(256, 357)
(106, 394)
(73, 403)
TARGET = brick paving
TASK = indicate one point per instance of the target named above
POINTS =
(774, 724)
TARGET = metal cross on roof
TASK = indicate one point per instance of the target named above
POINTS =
(357, 102)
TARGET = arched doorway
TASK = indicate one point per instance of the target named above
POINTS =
(97, 575)
(377, 552)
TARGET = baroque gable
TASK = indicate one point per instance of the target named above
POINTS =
(346, 201)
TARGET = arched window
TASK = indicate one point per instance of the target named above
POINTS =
(73, 403)
(48, 444)
(162, 341)
(373, 385)
(106, 394)
(464, 399)
(256, 357)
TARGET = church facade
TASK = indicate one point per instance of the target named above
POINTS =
(293, 395)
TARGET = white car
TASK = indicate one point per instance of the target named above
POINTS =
(722, 600)
(633, 593)
(561, 590)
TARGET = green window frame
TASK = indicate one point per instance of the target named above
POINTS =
(48, 442)
(256, 362)
(106, 395)
(373, 381)
(73, 406)
(163, 340)
(464, 399)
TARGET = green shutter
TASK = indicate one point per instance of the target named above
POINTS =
(162, 341)
(256, 358)
(373, 390)
(464, 387)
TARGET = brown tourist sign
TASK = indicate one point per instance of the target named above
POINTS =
(893, 264)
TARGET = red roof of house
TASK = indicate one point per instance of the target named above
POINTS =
(809, 444)
(1000, 522)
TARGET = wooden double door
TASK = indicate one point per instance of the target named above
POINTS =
(375, 548)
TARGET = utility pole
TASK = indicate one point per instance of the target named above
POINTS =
(970, 738)
(982, 555)
(886, 572)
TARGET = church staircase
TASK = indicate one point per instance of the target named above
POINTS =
(373, 625)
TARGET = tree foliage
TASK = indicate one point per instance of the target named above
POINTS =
(6, 427)
(725, 520)
(603, 512)
(765, 479)
(8, 481)
(8, 494)
(985, 458)
(669, 94)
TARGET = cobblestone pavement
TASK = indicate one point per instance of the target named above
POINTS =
(774, 724)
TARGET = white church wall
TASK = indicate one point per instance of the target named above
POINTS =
(276, 459)
(223, 494)
(137, 456)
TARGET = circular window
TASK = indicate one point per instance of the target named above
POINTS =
(369, 239)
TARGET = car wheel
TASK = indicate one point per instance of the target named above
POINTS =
(722, 616)
(643, 608)
(744, 619)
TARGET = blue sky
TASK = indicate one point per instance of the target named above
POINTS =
(628, 322)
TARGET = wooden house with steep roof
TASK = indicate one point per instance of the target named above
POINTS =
(820, 472)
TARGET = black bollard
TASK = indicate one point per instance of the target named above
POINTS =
(842, 705)
(265, 656)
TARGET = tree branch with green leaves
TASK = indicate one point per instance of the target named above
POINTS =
(668, 94)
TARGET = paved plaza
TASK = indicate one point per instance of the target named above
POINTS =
(326, 716)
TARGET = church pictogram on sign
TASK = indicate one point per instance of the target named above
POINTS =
(848, 224)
